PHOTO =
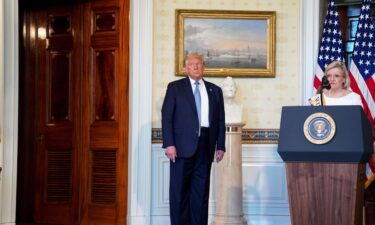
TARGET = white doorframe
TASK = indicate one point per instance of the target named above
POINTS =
(9, 127)
(140, 108)
(309, 34)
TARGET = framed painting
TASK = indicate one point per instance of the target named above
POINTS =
(233, 43)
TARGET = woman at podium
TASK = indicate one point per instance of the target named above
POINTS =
(334, 89)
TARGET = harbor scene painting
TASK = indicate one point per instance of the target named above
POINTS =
(236, 43)
(233, 43)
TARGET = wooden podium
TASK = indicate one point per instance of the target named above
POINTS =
(325, 176)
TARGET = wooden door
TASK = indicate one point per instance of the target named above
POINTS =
(105, 115)
(76, 59)
(58, 115)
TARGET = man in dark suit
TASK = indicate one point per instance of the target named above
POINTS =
(193, 123)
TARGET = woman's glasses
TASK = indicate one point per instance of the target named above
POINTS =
(335, 76)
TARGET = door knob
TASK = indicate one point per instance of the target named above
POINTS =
(40, 137)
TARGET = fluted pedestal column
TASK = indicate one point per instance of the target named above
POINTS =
(229, 209)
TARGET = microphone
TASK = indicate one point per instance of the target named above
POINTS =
(324, 85)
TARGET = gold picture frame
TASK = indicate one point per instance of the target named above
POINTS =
(233, 43)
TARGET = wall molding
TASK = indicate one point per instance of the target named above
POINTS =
(249, 136)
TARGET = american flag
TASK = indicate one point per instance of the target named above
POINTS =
(362, 70)
(331, 43)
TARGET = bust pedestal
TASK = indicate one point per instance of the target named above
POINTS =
(229, 207)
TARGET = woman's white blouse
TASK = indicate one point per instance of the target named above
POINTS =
(349, 99)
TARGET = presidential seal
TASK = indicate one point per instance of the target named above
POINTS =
(319, 128)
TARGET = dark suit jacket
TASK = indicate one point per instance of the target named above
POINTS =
(180, 122)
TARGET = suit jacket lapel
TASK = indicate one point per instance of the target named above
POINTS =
(211, 97)
(189, 93)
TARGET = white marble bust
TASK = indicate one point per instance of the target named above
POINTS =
(233, 109)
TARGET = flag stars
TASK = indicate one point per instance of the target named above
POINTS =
(331, 42)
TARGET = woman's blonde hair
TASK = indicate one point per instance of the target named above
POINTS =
(340, 65)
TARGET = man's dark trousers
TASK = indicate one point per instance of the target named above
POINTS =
(190, 185)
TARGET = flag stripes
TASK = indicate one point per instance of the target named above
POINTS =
(362, 70)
